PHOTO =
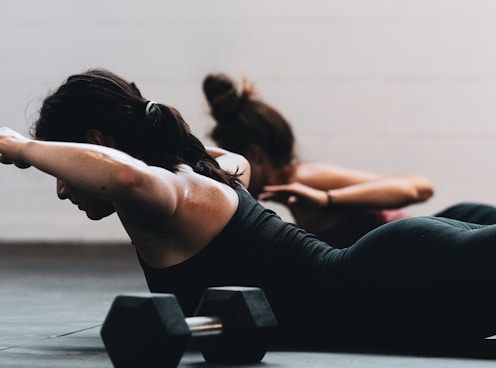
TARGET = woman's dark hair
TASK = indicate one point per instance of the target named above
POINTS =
(152, 132)
(243, 119)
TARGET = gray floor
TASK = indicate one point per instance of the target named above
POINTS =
(55, 297)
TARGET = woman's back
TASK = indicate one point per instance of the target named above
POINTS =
(203, 208)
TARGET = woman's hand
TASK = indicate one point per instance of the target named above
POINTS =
(296, 195)
(311, 208)
(11, 143)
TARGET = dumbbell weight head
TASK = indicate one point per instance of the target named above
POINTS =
(233, 325)
(145, 330)
(248, 324)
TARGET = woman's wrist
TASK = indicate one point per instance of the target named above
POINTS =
(329, 199)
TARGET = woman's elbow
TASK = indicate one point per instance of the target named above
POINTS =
(418, 189)
(127, 180)
(244, 171)
(425, 193)
(424, 190)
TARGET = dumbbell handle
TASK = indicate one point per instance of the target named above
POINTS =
(204, 326)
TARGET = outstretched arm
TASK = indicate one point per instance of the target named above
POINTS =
(97, 170)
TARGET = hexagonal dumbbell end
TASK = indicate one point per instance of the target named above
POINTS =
(248, 324)
(145, 330)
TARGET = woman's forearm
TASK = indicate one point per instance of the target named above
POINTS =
(390, 192)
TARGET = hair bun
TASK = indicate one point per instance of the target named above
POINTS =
(222, 95)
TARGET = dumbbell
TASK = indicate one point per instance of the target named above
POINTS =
(231, 325)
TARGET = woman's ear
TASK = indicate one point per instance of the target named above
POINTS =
(94, 136)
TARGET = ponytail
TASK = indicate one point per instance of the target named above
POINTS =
(152, 132)
(243, 119)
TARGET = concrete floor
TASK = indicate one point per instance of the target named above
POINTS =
(55, 297)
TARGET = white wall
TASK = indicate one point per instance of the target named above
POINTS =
(384, 85)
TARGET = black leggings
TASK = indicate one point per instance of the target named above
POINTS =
(476, 213)
(416, 281)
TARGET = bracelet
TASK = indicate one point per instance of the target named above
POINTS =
(329, 199)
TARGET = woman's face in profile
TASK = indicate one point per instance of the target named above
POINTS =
(96, 208)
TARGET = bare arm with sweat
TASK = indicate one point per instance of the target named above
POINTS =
(97, 170)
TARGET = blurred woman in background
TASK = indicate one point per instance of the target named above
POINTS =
(354, 201)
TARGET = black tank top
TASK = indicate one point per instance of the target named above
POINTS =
(256, 248)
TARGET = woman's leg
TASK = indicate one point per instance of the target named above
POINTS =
(476, 213)
(419, 281)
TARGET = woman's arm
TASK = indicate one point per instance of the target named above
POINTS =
(391, 191)
(343, 187)
(232, 163)
(101, 171)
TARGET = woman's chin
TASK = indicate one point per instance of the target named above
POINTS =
(96, 217)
